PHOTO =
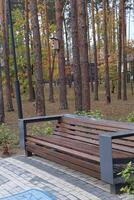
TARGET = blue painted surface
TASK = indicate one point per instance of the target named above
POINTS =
(32, 194)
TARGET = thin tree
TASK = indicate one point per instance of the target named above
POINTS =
(28, 62)
(2, 113)
(61, 57)
(89, 45)
(39, 87)
(124, 56)
(106, 64)
(76, 56)
(119, 50)
(83, 49)
(95, 52)
(66, 36)
(114, 26)
(98, 29)
(51, 95)
(4, 27)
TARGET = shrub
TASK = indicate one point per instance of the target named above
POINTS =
(92, 114)
(130, 117)
(7, 138)
(128, 175)
(43, 130)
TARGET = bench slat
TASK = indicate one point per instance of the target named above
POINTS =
(92, 149)
(64, 149)
(88, 168)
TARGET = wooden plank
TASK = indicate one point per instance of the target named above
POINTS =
(64, 160)
(91, 140)
(95, 135)
(102, 122)
(85, 164)
(78, 133)
(83, 129)
(64, 149)
(71, 144)
(123, 148)
(85, 147)
(91, 125)
(94, 151)
(94, 139)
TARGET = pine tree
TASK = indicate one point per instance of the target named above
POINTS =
(39, 87)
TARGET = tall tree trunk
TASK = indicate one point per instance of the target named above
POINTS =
(67, 45)
(2, 114)
(4, 26)
(119, 51)
(95, 53)
(98, 29)
(76, 57)
(107, 81)
(61, 57)
(29, 68)
(124, 58)
(83, 49)
(39, 87)
(113, 24)
(51, 95)
(89, 47)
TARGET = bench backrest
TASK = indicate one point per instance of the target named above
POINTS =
(88, 130)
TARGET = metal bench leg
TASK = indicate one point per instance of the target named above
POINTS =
(115, 189)
(28, 153)
(22, 133)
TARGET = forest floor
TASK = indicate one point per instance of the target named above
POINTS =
(117, 110)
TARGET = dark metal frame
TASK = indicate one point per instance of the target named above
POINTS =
(23, 123)
(106, 160)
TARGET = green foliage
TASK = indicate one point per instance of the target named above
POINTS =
(43, 130)
(92, 114)
(128, 175)
(130, 117)
(6, 136)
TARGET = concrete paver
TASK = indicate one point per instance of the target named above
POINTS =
(20, 173)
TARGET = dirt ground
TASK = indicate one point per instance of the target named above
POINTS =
(117, 110)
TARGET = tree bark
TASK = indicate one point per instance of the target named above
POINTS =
(29, 68)
(98, 30)
(89, 47)
(119, 52)
(67, 45)
(39, 87)
(113, 24)
(51, 95)
(4, 27)
(83, 49)
(61, 57)
(95, 54)
(76, 57)
(107, 80)
(124, 58)
(2, 113)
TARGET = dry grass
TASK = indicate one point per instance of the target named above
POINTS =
(118, 109)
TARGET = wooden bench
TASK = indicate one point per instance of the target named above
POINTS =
(98, 148)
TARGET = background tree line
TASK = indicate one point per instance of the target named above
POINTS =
(86, 31)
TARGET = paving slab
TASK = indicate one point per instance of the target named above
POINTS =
(20, 173)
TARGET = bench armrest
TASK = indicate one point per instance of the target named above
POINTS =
(106, 160)
(25, 121)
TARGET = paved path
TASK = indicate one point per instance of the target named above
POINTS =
(21, 173)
